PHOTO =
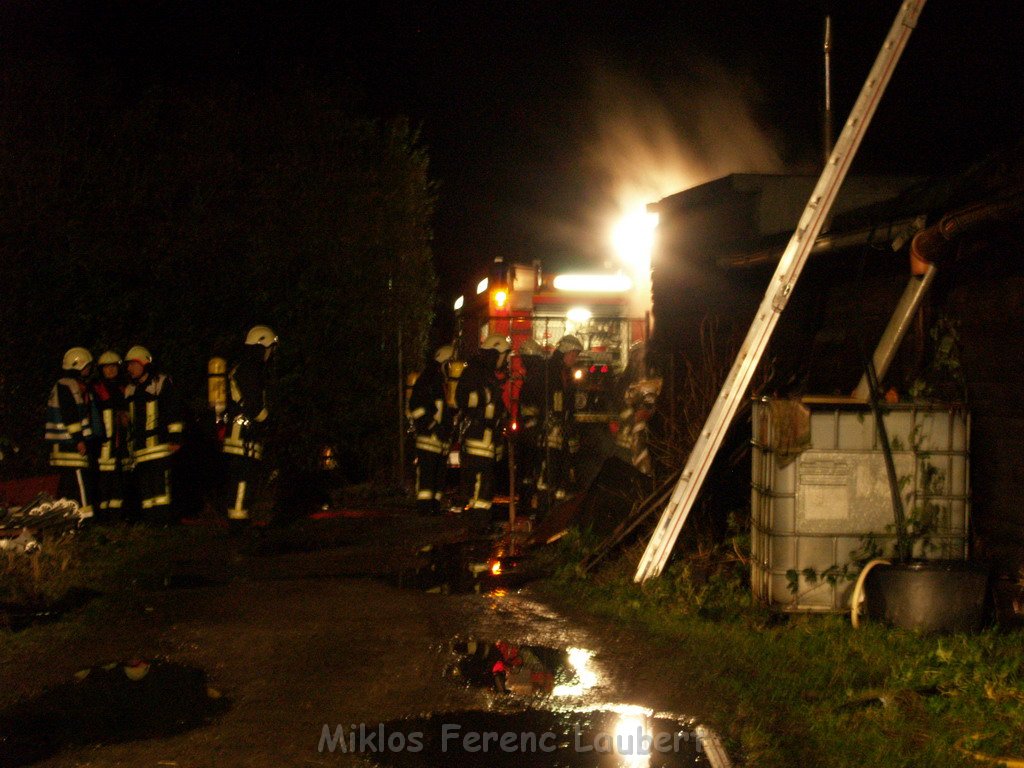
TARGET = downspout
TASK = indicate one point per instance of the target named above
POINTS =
(935, 243)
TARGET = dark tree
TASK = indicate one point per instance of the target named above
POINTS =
(175, 216)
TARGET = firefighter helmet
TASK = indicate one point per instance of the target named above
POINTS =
(444, 354)
(530, 348)
(262, 335)
(139, 354)
(569, 344)
(76, 359)
(110, 357)
(494, 341)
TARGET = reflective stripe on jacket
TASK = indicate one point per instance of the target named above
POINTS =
(68, 417)
(155, 418)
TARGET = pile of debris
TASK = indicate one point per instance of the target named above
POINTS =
(44, 517)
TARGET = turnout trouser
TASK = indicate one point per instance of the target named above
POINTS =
(153, 479)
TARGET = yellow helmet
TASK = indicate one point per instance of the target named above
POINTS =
(110, 357)
(444, 354)
(569, 344)
(530, 348)
(139, 354)
(496, 342)
(262, 335)
(76, 359)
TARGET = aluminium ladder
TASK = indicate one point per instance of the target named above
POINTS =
(779, 289)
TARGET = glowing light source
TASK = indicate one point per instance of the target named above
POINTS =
(459, 303)
(496, 568)
(632, 739)
(577, 374)
(481, 286)
(633, 238)
(500, 299)
(584, 675)
(579, 314)
(593, 283)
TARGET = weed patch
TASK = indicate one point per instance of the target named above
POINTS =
(810, 689)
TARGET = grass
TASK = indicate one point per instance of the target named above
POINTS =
(811, 690)
(99, 558)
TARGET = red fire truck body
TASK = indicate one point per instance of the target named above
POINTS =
(520, 302)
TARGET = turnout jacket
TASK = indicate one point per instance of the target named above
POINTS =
(481, 406)
(431, 418)
(68, 422)
(532, 394)
(246, 406)
(561, 391)
(154, 411)
(110, 407)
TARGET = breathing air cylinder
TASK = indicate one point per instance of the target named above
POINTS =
(217, 385)
(455, 368)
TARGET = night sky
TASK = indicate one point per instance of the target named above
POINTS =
(543, 119)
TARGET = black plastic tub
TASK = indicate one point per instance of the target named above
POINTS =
(928, 595)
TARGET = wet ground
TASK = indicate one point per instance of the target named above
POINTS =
(326, 660)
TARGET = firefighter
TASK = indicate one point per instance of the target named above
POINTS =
(107, 390)
(529, 452)
(69, 430)
(631, 440)
(247, 415)
(504, 658)
(432, 422)
(155, 426)
(482, 409)
(559, 431)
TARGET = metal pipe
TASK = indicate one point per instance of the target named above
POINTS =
(827, 125)
(896, 330)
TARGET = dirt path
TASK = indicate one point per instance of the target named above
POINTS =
(297, 640)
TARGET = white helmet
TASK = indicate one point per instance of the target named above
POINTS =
(569, 344)
(139, 354)
(530, 348)
(496, 342)
(262, 335)
(110, 357)
(444, 354)
(76, 358)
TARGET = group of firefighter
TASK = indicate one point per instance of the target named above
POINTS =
(462, 403)
(114, 423)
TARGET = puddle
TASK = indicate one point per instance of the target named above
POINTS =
(478, 565)
(598, 738)
(108, 704)
(523, 670)
(447, 568)
(19, 616)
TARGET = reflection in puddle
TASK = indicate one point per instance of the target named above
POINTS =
(627, 736)
(524, 670)
(108, 704)
(462, 567)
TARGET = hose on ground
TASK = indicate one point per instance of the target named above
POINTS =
(858, 590)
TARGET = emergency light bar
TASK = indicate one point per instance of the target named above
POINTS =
(593, 283)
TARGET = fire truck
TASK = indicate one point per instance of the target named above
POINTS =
(521, 301)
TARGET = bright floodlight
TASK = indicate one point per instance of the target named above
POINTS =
(582, 283)
(459, 302)
(633, 238)
(481, 286)
(579, 315)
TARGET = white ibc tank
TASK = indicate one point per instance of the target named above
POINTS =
(814, 509)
